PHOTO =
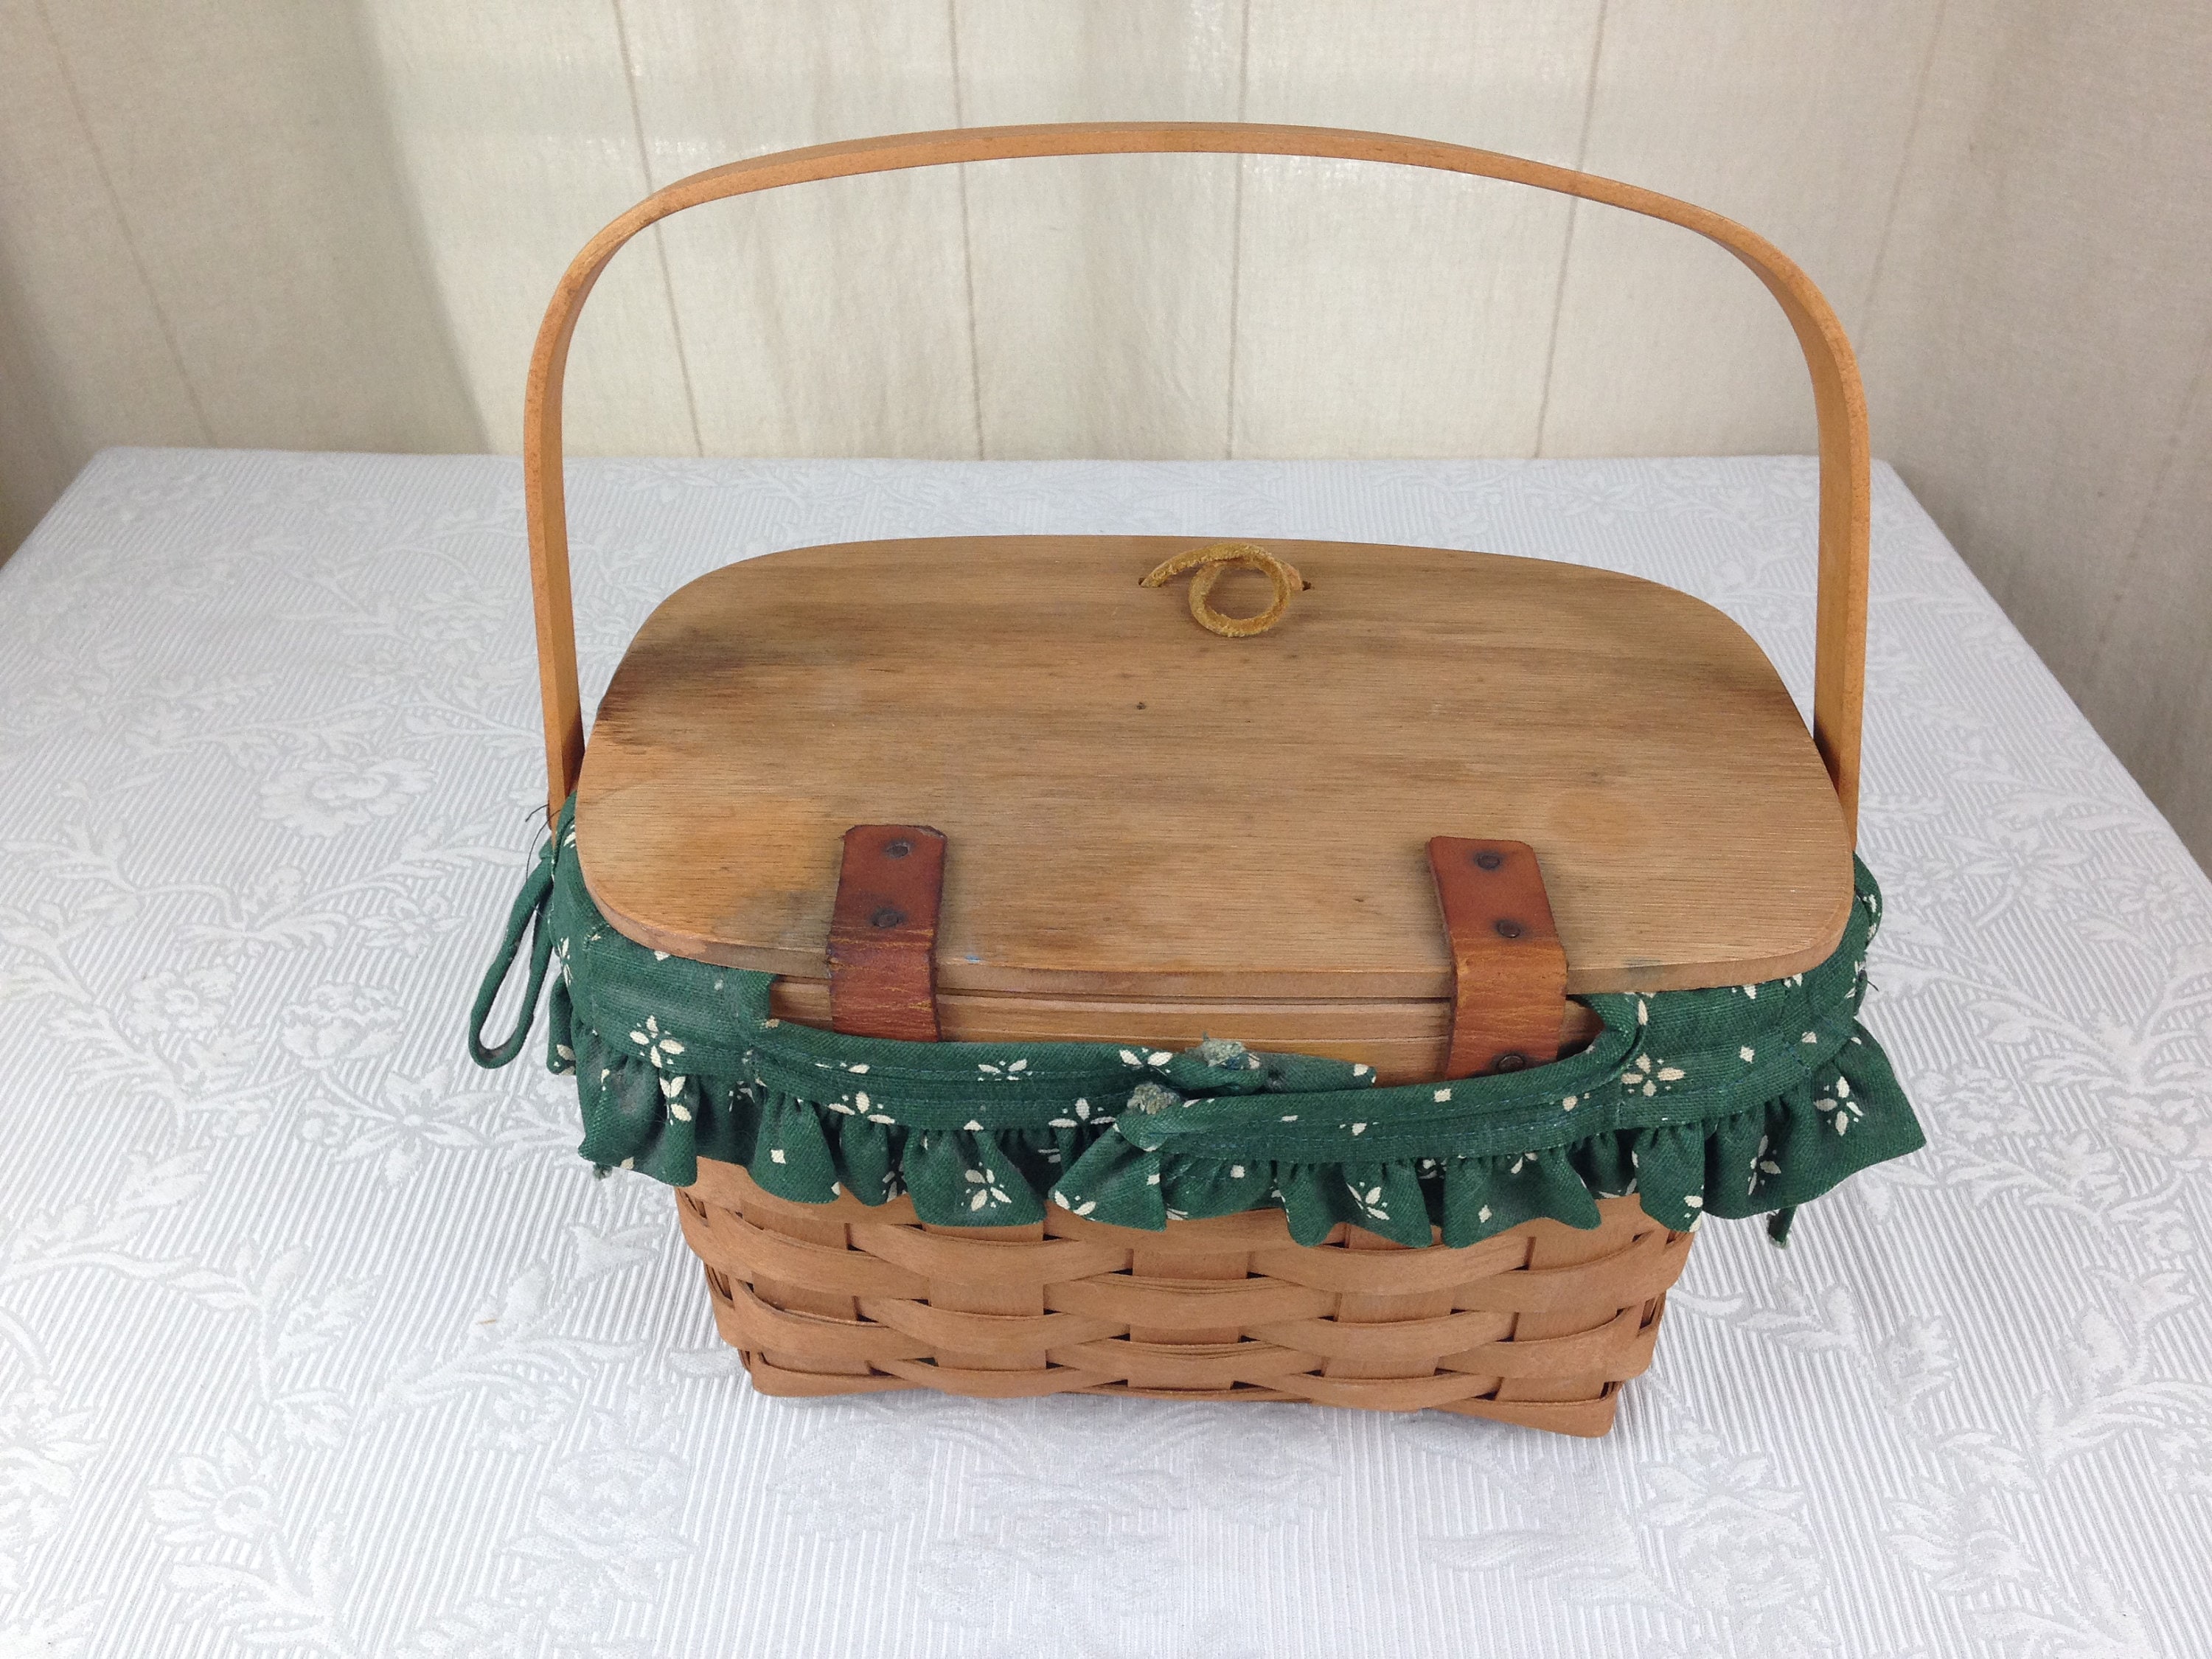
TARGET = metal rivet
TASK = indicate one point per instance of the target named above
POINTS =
(897, 850)
(1508, 928)
(889, 916)
(1488, 860)
(1509, 1062)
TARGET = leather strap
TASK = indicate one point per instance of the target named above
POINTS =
(1509, 969)
(883, 933)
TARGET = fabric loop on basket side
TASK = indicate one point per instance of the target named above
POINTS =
(528, 911)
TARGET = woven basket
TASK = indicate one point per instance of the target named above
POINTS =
(1539, 1325)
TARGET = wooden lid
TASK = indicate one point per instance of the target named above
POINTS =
(1137, 807)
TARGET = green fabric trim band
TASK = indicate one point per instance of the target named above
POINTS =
(1738, 1101)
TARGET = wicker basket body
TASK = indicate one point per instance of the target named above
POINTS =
(1538, 1326)
(1029, 704)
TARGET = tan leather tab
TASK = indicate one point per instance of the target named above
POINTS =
(1509, 969)
(883, 933)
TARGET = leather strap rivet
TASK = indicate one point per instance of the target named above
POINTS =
(1488, 860)
(883, 931)
(1508, 928)
(1511, 1061)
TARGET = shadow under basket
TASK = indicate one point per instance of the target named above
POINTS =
(1539, 1325)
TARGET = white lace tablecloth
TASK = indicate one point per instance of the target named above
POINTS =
(316, 1339)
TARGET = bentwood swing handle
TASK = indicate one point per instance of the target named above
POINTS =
(1839, 672)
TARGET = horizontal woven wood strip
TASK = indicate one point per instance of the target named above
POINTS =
(1649, 1266)
(1582, 1418)
(1193, 1365)
(1008, 1336)
(1401, 1341)
(1024, 1262)
(1392, 1272)
(734, 1245)
(763, 1327)
(1242, 1393)
(1255, 1336)
(1587, 1418)
(996, 1385)
(805, 1385)
(1225, 1234)
(1385, 1393)
(1613, 1350)
(1187, 1305)
(1619, 1349)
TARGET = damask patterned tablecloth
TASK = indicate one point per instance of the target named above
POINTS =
(315, 1340)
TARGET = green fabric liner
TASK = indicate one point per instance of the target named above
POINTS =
(1739, 1100)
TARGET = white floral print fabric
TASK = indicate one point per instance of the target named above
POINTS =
(317, 1341)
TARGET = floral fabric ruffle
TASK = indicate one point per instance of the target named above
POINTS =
(1737, 1101)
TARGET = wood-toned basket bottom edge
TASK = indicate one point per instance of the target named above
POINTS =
(1539, 1325)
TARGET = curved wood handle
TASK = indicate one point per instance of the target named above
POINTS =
(1839, 672)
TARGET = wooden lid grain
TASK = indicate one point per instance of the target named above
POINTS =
(1137, 807)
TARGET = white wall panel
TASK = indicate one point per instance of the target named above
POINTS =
(516, 127)
(243, 142)
(2150, 689)
(2042, 347)
(1791, 116)
(83, 358)
(825, 318)
(1383, 311)
(1103, 284)
(2050, 315)
(202, 240)
(34, 467)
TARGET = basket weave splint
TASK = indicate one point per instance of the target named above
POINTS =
(890, 931)
(1539, 1325)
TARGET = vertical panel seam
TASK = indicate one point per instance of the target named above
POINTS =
(1896, 184)
(2133, 556)
(967, 234)
(162, 322)
(659, 246)
(1237, 235)
(1574, 218)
